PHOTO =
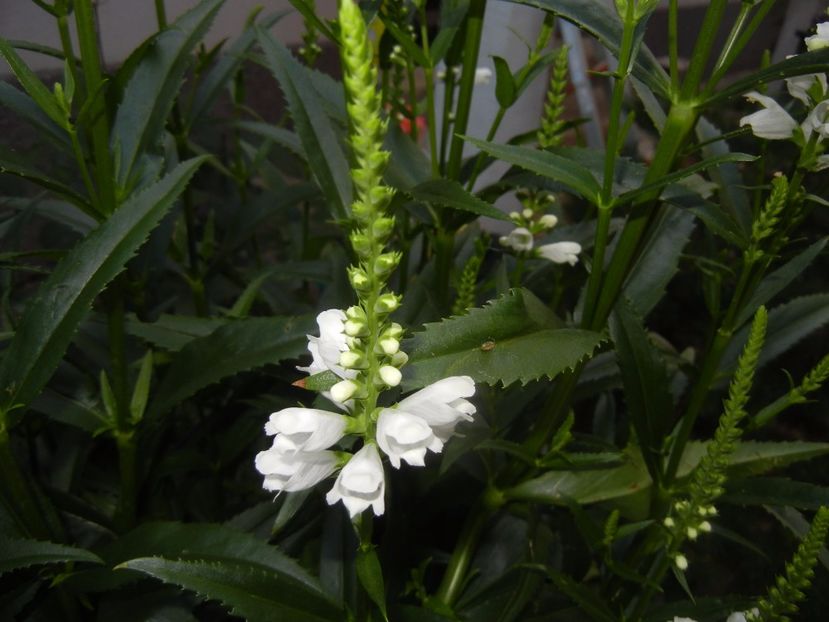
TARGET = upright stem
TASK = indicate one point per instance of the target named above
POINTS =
(161, 14)
(66, 44)
(673, 44)
(431, 120)
(453, 578)
(94, 78)
(16, 492)
(702, 49)
(479, 160)
(474, 29)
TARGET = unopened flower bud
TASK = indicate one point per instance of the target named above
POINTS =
(669, 522)
(527, 212)
(355, 328)
(390, 375)
(548, 221)
(382, 227)
(387, 303)
(399, 358)
(352, 360)
(344, 390)
(385, 263)
(361, 243)
(705, 527)
(681, 561)
(389, 346)
(359, 279)
(692, 533)
(514, 216)
(394, 331)
(353, 343)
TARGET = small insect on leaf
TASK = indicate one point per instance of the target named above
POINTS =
(487, 346)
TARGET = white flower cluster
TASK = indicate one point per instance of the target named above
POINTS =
(301, 454)
(522, 238)
(737, 616)
(773, 122)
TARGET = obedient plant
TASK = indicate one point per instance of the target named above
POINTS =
(509, 376)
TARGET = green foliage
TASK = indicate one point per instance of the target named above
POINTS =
(552, 122)
(17, 553)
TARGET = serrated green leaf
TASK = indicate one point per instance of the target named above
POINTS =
(220, 74)
(248, 589)
(646, 383)
(63, 300)
(370, 574)
(775, 282)
(154, 87)
(449, 193)
(550, 165)
(280, 136)
(622, 483)
(326, 159)
(322, 381)
(26, 108)
(776, 491)
(13, 165)
(19, 553)
(32, 85)
(601, 21)
(173, 332)
(515, 337)
(238, 346)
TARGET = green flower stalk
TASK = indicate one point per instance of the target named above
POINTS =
(766, 223)
(310, 49)
(811, 382)
(789, 589)
(469, 278)
(552, 122)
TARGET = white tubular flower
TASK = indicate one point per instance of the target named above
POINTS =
(772, 122)
(821, 163)
(820, 40)
(390, 375)
(548, 221)
(403, 436)
(294, 470)
(561, 252)
(740, 616)
(361, 483)
(306, 429)
(817, 121)
(441, 405)
(326, 348)
(799, 86)
(483, 75)
(680, 619)
(519, 239)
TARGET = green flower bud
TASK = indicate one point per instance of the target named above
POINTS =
(344, 390)
(387, 303)
(382, 227)
(681, 561)
(353, 360)
(389, 346)
(390, 375)
(399, 359)
(394, 331)
(385, 263)
(361, 243)
(359, 279)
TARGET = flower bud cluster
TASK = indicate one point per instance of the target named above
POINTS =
(689, 521)
(531, 221)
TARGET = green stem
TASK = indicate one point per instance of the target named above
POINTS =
(597, 265)
(94, 78)
(448, 121)
(444, 251)
(16, 492)
(66, 44)
(85, 176)
(472, 45)
(412, 112)
(126, 510)
(673, 44)
(431, 119)
(453, 578)
(161, 14)
(702, 49)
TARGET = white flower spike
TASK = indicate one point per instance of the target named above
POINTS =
(442, 405)
(403, 436)
(772, 122)
(306, 429)
(296, 470)
(327, 348)
(561, 252)
(799, 86)
(361, 483)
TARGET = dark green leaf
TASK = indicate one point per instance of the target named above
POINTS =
(412, 49)
(799, 65)
(26, 108)
(281, 136)
(370, 575)
(776, 491)
(308, 11)
(504, 83)
(659, 260)
(238, 346)
(550, 165)
(646, 384)
(322, 148)
(449, 193)
(600, 20)
(322, 381)
(18, 553)
(775, 282)
(62, 301)
(32, 85)
(248, 589)
(513, 338)
(173, 332)
(154, 87)
(11, 164)
(222, 72)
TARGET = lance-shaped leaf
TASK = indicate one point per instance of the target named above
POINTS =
(646, 383)
(515, 337)
(63, 300)
(237, 346)
(12, 164)
(776, 491)
(249, 590)
(26, 108)
(449, 193)
(32, 84)
(550, 165)
(629, 483)
(326, 159)
(18, 553)
(154, 87)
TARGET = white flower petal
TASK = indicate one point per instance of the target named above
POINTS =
(820, 40)
(817, 121)
(561, 252)
(519, 239)
(361, 483)
(307, 429)
(404, 436)
(294, 471)
(799, 86)
(441, 404)
(772, 122)
(821, 163)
